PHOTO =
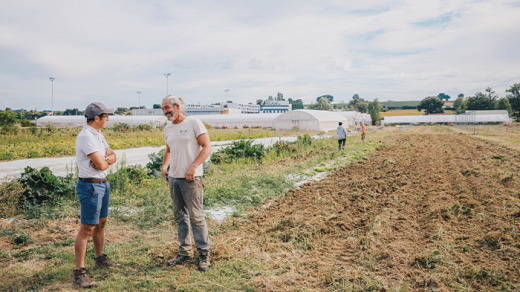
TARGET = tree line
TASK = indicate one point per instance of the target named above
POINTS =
(357, 103)
(487, 100)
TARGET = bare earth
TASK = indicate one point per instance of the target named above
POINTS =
(425, 212)
(428, 211)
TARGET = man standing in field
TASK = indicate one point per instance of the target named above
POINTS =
(93, 157)
(342, 136)
(362, 132)
(187, 147)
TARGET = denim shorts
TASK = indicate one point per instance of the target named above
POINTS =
(93, 198)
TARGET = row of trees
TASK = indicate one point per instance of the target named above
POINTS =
(487, 100)
(357, 103)
(9, 117)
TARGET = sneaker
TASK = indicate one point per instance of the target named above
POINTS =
(103, 261)
(204, 262)
(178, 260)
(82, 279)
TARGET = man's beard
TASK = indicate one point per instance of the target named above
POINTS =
(171, 116)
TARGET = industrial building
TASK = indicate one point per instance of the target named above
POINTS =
(79, 121)
(206, 109)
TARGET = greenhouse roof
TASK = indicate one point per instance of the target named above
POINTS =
(237, 117)
(322, 116)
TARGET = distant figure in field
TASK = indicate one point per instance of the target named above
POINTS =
(187, 147)
(93, 157)
(362, 132)
(342, 136)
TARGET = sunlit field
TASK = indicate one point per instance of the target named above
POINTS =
(409, 112)
(22, 143)
(430, 208)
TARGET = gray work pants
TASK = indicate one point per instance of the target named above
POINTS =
(187, 209)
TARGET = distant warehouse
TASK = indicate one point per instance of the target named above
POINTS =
(79, 121)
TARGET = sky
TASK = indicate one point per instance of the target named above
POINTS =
(108, 51)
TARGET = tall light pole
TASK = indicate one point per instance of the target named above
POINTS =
(167, 75)
(52, 95)
(226, 90)
(139, 105)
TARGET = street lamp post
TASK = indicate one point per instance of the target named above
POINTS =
(167, 75)
(226, 90)
(139, 94)
(52, 95)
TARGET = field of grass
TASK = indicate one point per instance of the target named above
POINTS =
(432, 208)
(59, 142)
(400, 104)
(37, 248)
(409, 112)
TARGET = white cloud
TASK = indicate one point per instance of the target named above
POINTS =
(387, 49)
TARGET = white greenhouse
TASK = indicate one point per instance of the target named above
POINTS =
(312, 120)
(239, 120)
(492, 116)
(354, 118)
(79, 121)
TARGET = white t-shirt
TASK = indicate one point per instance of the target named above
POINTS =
(89, 141)
(184, 146)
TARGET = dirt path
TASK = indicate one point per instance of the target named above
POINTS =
(427, 211)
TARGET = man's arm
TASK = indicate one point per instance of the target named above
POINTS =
(165, 163)
(99, 162)
(203, 155)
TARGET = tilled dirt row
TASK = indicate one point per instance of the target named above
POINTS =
(426, 211)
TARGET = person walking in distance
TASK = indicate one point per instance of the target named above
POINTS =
(187, 147)
(342, 136)
(93, 157)
(362, 132)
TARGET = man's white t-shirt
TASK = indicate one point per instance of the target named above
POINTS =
(184, 146)
(89, 141)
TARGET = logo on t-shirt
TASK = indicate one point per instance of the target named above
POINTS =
(183, 131)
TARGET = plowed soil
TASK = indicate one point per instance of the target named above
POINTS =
(424, 212)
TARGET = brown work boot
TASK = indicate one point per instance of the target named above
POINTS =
(82, 279)
(178, 260)
(103, 261)
(204, 262)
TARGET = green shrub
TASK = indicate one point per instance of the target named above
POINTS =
(8, 129)
(239, 149)
(27, 123)
(120, 127)
(10, 193)
(283, 146)
(33, 130)
(155, 164)
(144, 127)
(305, 139)
(127, 176)
(22, 239)
(7, 118)
(50, 128)
(42, 186)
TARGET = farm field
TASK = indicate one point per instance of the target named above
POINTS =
(409, 112)
(59, 142)
(400, 112)
(431, 208)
